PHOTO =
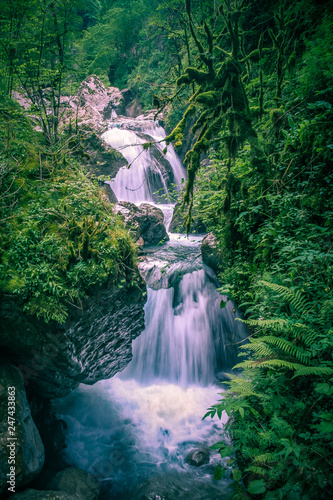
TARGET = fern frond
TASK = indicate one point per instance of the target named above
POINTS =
(313, 370)
(296, 299)
(273, 363)
(277, 324)
(326, 313)
(261, 350)
(257, 470)
(264, 458)
(280, 363)
(241, 386)
(288, 347)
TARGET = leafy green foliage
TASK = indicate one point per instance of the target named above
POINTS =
(279, 408)
(59, 237)
(270, 209)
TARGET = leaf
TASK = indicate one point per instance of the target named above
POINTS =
(237, 475)
(218, 445)
(241, 411)
(226, 452)
(219, 472)
(222, 304)
(257, 487)
(255, 412)
(324, 388)
(291, 122)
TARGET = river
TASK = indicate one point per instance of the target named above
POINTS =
(134, 431)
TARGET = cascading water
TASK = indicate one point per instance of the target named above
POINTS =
(133, 432)
(151, 171)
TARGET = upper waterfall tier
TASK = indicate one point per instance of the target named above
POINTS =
(150, 174)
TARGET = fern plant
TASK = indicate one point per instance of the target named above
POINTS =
(280, 407)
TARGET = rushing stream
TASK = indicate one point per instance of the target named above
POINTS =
(134, 431)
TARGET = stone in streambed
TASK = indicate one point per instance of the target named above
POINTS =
(27, 452)
(198, 458)
(76, 482)
(145, 223)
(210, 252)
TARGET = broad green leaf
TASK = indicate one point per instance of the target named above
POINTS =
(237, 475)
(218, 445)
(225, 452)
(219, 472)
(257, 487)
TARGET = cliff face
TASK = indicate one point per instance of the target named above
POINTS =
(93, 345)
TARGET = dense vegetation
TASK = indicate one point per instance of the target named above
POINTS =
(251, 83)
(59, 237)
(262, 95)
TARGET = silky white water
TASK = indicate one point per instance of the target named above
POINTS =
(143, 178)
(134, 432)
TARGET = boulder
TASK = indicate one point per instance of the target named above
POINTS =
(198, 458)
(130, 104)
(109, 193)
(94, 344)
(43, 495)
(20, 445)
(76, 482)
(210, 252)
(100, 158)
(92, 105)
(145, 222)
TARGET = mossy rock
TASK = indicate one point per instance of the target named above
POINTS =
(103, 159)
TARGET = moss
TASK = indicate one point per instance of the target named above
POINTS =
(200, 121)
(207, 98)
(177, 133)
(193, 74)
(182, 79)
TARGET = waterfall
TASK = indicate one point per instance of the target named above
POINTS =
(188, 337)
(133, 432)
(151, 173)
(177, 345)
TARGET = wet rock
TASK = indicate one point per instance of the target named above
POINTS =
(52, 432)
(130, 105)
(92, 105)
(109, 193)
(157, 488)
(43, 495)
(94, 344)
(198, 458)
(76, 482)
(145, 222)
(210, 252)
(100, 158)
(178, 224)
(151, 220)
(27, 451)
